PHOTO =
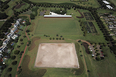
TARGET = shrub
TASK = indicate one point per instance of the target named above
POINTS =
(10, 75)
(98, 58)
(13, 57)
(16, 52)
(14, 62)
(9, 69)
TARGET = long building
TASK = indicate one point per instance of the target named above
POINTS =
(54, 15)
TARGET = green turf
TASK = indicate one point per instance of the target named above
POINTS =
(53, 26)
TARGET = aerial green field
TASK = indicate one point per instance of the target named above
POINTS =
(53, 26)
(30, 70)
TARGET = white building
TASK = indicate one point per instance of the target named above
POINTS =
(15, 25)
(55, 15)
(13, 29)
(2, 48)
(9, 35)
(5, 42)
(18, 21)
(109, 7)
(14, 37)
(106, 2)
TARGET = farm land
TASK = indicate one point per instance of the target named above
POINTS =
(60, 30)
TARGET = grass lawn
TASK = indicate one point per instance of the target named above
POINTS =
(1, 23)
(69, 28)
(53, 26)
(113, 1)
(106, 11)
(30, 70)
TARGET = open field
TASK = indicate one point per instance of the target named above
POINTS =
(69, 28)
(60, 55)
(53, 26)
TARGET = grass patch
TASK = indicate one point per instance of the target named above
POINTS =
(53, 26)
(26, 72)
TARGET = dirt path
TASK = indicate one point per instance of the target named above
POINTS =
(23, 53)
(26, 33)
(84, 41)
(84, 61)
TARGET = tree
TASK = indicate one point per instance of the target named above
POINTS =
(32, 16)
(27, 31)
(21, 39)
(16, 52)
(18, 46)
(28, 23)
(9, 75)
(50, 38)
(3, 15)
(57, 35)
(9, 69)
(14, 62)
(13, 57)
(62, 38)
(98, 58)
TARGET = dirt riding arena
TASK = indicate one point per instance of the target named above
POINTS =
(61, 55)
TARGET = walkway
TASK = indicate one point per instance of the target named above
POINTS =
(84, 41)
(84, 60)
(24, 51)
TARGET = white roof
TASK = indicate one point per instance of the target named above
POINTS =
(106, 2)
(14, 37)
(108, 6)
(52, 14)
(57, 15)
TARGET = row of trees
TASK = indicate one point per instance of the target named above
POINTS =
(4, 5)
(3, 15)
(5, 27)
